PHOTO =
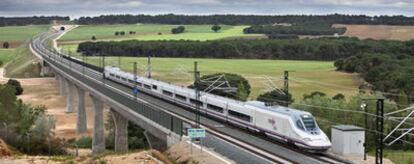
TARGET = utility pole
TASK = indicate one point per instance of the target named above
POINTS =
(286, 87)
(135, 80)
(197, 93)
(149, 67)
(364, 107)
(119, 61)
(379, 131)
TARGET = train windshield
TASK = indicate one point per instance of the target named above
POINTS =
(309, 122)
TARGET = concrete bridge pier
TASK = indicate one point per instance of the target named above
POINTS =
(61, 84)
(98, 140)
(70, 97)
(45, 69)
(81, 124)
(121, 131)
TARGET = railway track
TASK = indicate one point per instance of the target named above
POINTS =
(270, 156)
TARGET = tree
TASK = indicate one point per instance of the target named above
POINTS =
(6, 45)
(313, 94)
(177, 30)
(215, 28)
(16, 85)
(62, 28)
(122, 33)
(116, 33)
(235, 81)
(276, 98)
(93, 37)
(338, 96)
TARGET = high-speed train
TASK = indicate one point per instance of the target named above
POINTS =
(281, 123)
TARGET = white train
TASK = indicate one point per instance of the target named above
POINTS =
(285, 124)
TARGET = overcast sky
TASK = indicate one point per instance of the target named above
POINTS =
(76, 8)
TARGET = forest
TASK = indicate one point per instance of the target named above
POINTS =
(297, 29)
(21, 21)
(246, 19)
(386, 72)
(326, 49)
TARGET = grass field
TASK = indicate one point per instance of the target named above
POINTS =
(150, 32)
(6, 55)
(378, 32)
(309, 76)
(398, 156)
(22, 64)
(18, 34)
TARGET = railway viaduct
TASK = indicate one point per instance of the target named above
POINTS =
(163, 121)
(161, 130)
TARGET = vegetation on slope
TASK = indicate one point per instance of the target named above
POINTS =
(23, 65)
(25, 127)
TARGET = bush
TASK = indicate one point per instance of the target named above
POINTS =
(84, 142)
(276, 98)
(16, 85)
(6, 45)
(216, 28)
(177, 30)
(338, 96)
(235, 81)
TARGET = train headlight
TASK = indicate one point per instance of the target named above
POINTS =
(307, 139)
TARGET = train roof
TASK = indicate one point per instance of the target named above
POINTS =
(294, 113)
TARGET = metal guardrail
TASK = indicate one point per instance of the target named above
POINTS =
(162, 118)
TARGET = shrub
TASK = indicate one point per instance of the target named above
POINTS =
(6, 45)
(16, 84)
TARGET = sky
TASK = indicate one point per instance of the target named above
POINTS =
(77, 8)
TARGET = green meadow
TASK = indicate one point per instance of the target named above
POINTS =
(154, 32)
(20, 33)
(6, 55)
(263, 75)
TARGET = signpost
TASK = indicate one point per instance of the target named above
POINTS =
(197, 133)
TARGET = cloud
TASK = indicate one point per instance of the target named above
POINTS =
(98, 7)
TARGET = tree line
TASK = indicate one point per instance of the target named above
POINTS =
(246, 19)
(298, 29)
(304, 49)
(389, 72)
(35, 20)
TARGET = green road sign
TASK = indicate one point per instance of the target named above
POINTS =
(196, 133)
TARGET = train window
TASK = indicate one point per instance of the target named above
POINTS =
(193, 101)
(299, 124)
(118, 77)
(241, 116)
(111, 74)
(180, 97)
(168, 93)
(123, 78)
(154, 87)
(215, 108)
(147, 86)
(130, 81)
(139, 84)
(309, 122)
